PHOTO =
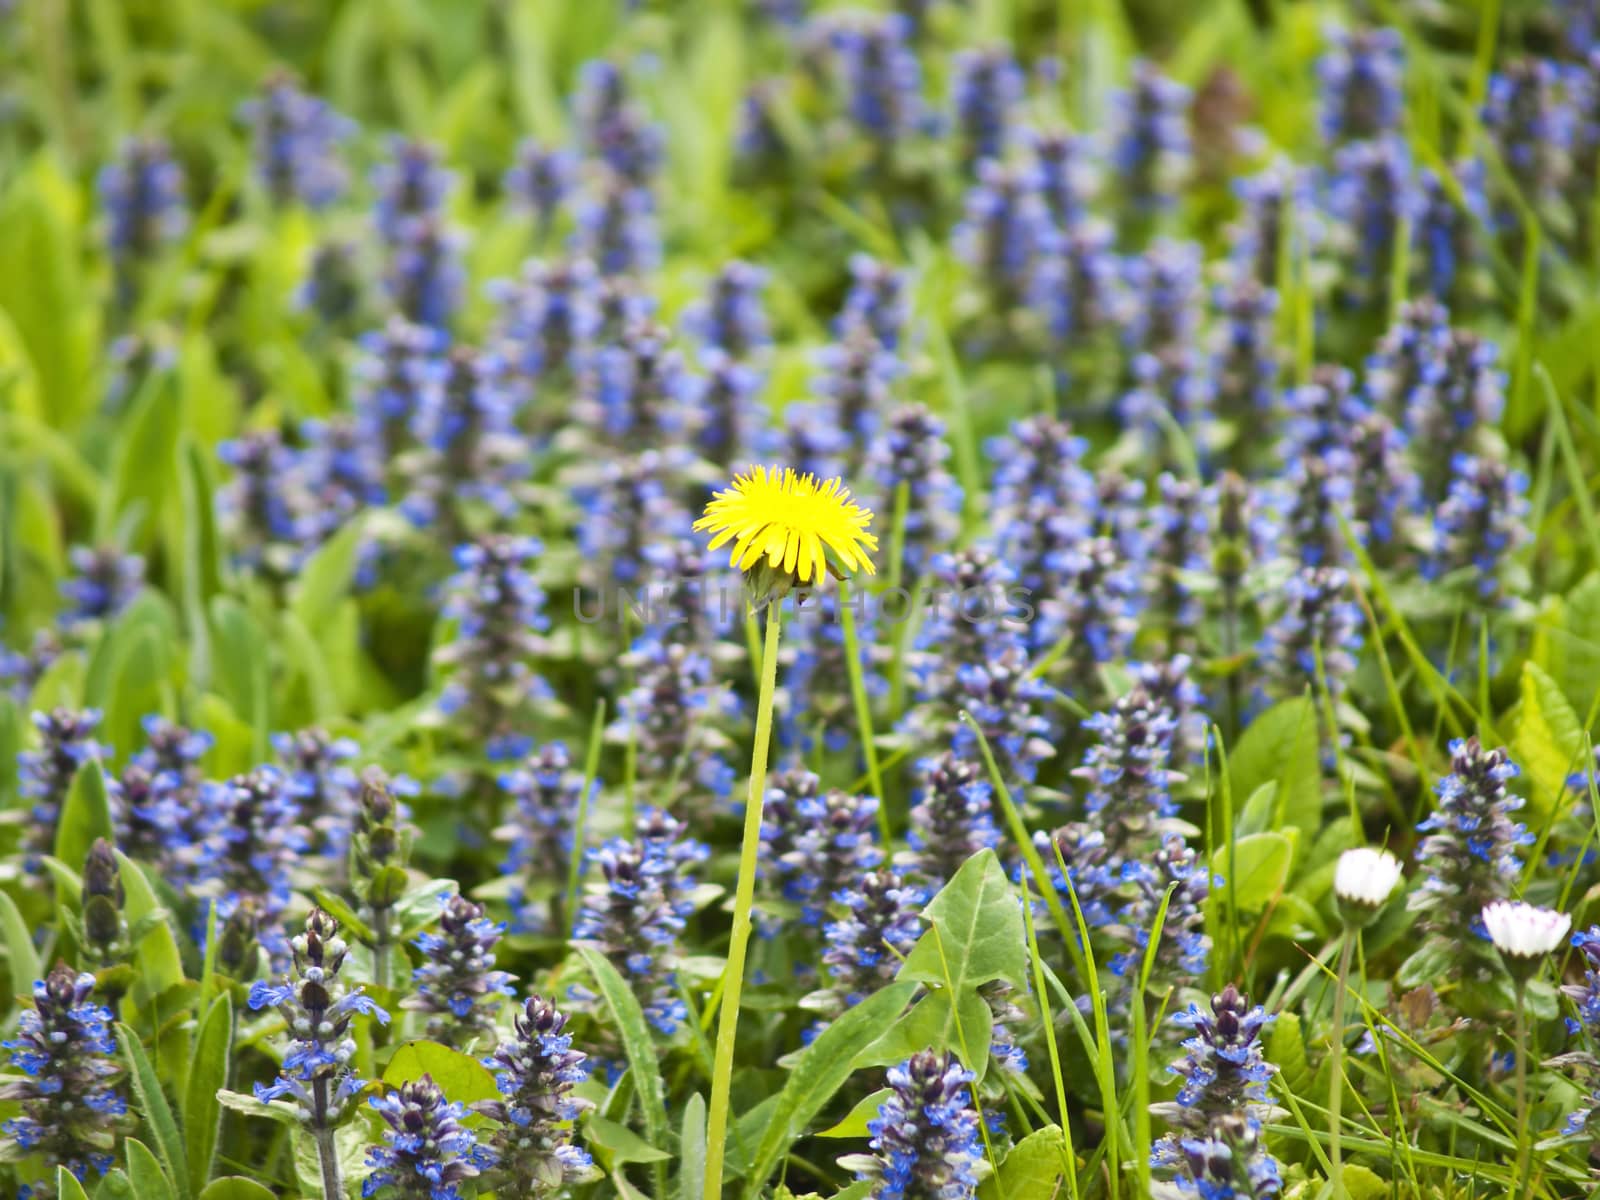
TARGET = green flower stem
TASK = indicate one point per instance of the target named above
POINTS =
(1521, 1181)
(744, 897)
(858, 693)
(1336, 1084)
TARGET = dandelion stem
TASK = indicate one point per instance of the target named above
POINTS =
(1336, 1084)
(744, 896)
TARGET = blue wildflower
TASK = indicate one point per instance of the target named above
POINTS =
(952, 815)
(297, 138)
(634, 911)
(986, 88)
(1361, 76)
(1469, 856)
(1318, 621)
(548, 795)
(1481, 526)
(318, 1075)
(498, 608)
(141, 197)
(44, 775)
(540, 181)
(536, 1070)
(66, 1056)
(911, 453)
(428, 1152)
(457, 985)
(925, 1137)
(1150, 143)
(103, 583)
(867, 944)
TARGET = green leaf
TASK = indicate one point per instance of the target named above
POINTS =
(1569, 648)
(460, 1076)
(692, 1149)
(208, 1071)
(637, 1044)
(22, 957)
(324, 578)
(818, 1072)
(116, 1186)
(240, 649)
(68, 1187)
(854, 1124)
(1260, 865)
(976, 937)
(152, 1105)
(618, 1144)
(86, 815)
(235, 1187)
(1286, 1048)
(1548, 741)
(160, 966)
(1280, 747)
(1034, 1168)
(1363, 1183)
(150, 1182)
(280, 1111)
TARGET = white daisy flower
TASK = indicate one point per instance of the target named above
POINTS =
(1524, 931)
(1366, 877)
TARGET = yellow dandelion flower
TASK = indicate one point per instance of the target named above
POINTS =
(787, 527)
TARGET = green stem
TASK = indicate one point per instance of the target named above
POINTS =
(858, 693)
(1336, 1084)
(1520, 1031)
(744, 897)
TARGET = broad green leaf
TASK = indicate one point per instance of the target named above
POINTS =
(1286, 1048)
(1280, 747)
(235, 1187)
(208, 1072)
(964, 1027)
(150, 1182)
(1363, 1183)
(1568, 648)
(977, 937)
(21, 956)
(115, 1186)
(617, 1144)
(280, 1111)
(151, 1104)
(1034, 1168)
(854, 1123)
(1548, 742)
(68, 1187)
(692, 1149)
(324, 578)
(819, 1071)
(637, 1044)
(160, 966)
(1260, 868)
(86, 815)
(239, 651)
(462, 1078)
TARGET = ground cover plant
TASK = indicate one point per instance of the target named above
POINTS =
(778, 599)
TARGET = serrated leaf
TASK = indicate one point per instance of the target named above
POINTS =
(156, 1112)
(86, 815)
(1548, 743)
(208, 1071)
(819, 1071)
(975, 937)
